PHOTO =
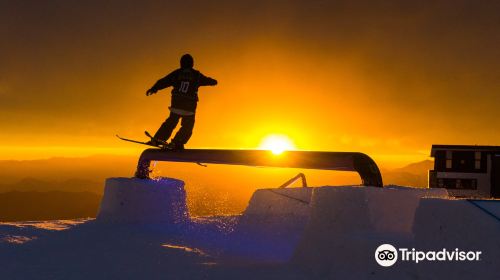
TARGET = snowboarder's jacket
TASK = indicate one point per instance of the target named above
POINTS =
(186, 82)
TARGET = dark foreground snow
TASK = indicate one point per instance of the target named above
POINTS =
(86, 249)
(300, 233)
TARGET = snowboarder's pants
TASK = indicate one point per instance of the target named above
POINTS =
(184, 133)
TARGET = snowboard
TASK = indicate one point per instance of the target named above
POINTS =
(163, 144)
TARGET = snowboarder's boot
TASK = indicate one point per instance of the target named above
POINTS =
(156, 142)
(174, 146)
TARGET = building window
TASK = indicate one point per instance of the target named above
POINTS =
(451, 183)
(477, 160)
(449, 155)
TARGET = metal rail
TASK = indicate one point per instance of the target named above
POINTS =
(342, 161)
(294, 179)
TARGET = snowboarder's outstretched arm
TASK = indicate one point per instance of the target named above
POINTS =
(162, 83)
(207, 81)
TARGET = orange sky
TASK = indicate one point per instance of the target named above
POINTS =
(385, 79)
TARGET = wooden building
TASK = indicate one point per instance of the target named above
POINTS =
(466, 171)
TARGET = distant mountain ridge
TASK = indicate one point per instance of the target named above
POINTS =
(70, 185)
(93, 168)
(89, 173)
(26, 206)
(416, 167)
(73, 187)
(414, 174)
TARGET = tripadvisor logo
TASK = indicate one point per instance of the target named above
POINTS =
(387, 255)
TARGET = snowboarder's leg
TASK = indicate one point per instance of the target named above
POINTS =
(185, 131)
(167, 127)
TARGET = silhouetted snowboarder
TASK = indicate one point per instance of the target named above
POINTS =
(185, 82)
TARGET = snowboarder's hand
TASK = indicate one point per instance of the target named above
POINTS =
(151, 91)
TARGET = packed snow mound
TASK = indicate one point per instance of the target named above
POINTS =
(273, 223)
(293, 233)
(133, 200)
(471, 225)
(347, 224)
(272, 207)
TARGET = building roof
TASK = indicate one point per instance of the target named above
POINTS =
(464, 148)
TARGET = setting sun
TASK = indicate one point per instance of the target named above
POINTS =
(277, 144)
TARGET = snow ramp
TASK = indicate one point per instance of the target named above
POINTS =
(347, 224)
(306, 224)
(132, 200)
(272, 225)
(471, 225)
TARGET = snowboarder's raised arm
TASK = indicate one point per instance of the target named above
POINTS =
(207, 81)
(162, 83)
